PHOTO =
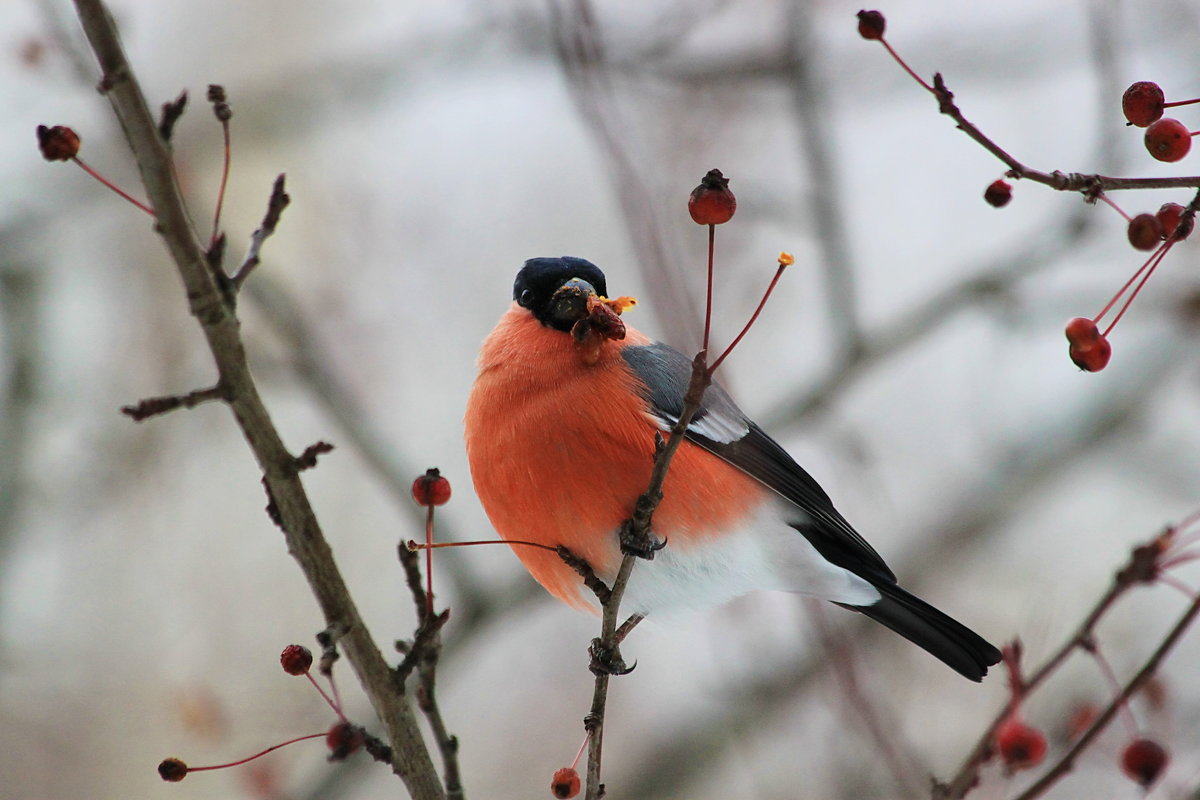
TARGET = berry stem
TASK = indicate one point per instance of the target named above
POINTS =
(224, 182)
(1128, 283)
(111, 185)
(411, 545)
(907, 68)
(429, 564)
(1175, 583)
(1156, 259)
(257, 755)
(1111, 677)
(753, 318)
(583, 746)
(712, 238)
(334, 704)
(1115, 207)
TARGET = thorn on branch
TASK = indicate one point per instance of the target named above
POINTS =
(425, 647)
(377, 749)
(272, 508)
(171, 112)
(328, 640)
(216, 96)
(308, 459)
(944, 96)
(153, 406)
(275, 206)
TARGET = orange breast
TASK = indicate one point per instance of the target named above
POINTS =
(560, 450)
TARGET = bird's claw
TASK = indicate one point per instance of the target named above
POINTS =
(643, 545)
(607, 660)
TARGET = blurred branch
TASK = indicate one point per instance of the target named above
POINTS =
(842, 660)
(210, 305)
(20, 330)
(992, 282)
(580, 52)
(823, 194)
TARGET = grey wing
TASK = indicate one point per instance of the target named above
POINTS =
(720, 427)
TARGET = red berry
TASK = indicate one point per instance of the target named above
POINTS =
(1021, 746)
(711, 202)
(343, 739)
(1168, 139)
(172, 770)
(1142, 103)
(1169, 215)
(1143, 760)
(998, 193)
(431, 489)
(565, 783)
(1092, 358)
(59, 143)
(1082, 331)
(1145, 231)
(1089, 350)
(871, 24)
(295, 659)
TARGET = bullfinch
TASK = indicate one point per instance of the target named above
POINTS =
(560, 433)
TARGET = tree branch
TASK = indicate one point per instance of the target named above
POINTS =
(220, 326)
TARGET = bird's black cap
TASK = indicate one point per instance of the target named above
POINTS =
(540, 278)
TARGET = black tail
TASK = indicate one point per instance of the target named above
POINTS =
(961, 648)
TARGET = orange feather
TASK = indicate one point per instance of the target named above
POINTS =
(561, 446)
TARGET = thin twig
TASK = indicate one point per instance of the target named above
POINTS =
(153, 406)
(275, 206)
(1088, 184)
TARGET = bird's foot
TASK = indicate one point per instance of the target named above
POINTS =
(607, 660)
(642, 545)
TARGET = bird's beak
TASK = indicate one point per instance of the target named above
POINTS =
(569, 303)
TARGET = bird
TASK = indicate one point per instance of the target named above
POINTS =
(560, 432)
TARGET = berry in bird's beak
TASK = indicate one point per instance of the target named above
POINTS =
(569, 303)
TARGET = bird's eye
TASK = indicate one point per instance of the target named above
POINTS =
(526, 297)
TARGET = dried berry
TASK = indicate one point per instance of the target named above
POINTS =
(296, 659)
(1143, 760)
(1168, 140)
(1143, 103)
(711, 202)
(59, 143)
(344, 739)
(431, 489)
(998, 193)
(1020, 746)
(565, 783)
(871, 24)
(172, 770)
(1145, 231)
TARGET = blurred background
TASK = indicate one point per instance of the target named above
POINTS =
(913, 360)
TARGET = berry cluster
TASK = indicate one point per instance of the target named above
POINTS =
(1021, 746)
(1166, 139)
